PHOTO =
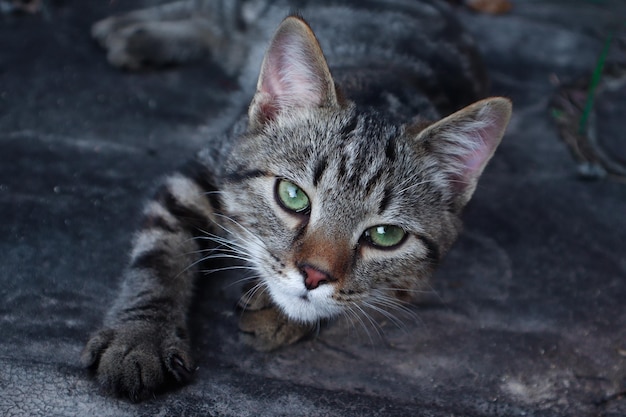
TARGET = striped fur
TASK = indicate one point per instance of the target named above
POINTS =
(362, 147)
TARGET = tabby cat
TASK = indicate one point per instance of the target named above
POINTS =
(339, 190)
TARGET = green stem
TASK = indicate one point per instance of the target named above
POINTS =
(595, 80)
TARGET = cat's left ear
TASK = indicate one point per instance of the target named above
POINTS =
(465, 141)
(294, 74)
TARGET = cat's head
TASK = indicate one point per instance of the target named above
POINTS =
(336, 208)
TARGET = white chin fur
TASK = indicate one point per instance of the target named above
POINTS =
(298, 303)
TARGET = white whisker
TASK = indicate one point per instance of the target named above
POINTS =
(392, 302)
(227, 268)
(245, 298)
(351, 314)
(225, 256)
(395, 320)
(214, 192)
(254, 237)
(244, 279)
(222, 241)
(406, 290)
(370, 320)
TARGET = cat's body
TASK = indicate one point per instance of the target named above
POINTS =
(418, 41)
(336, 190)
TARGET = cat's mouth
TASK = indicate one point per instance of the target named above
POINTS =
(300, 304)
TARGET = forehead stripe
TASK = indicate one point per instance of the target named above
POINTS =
(374, 179)
(384, 202)
(320, 167)
(245, 175)
(390, 150)
(349, 127)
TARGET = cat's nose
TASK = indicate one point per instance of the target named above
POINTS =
(313, 277)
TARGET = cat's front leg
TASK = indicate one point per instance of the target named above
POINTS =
(143, 344)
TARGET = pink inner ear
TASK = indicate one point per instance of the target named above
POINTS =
(470, 142)
(289, 78)
(478, 154)
(294, 70)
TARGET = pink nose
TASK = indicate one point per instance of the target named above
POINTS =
(313, 277)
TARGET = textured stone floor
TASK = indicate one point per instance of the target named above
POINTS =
(528, 315)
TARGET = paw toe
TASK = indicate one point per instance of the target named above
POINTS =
(97, 344)
(134, 372)
(180, 366)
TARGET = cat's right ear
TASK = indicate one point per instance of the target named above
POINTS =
(465, 141)
(294, 74)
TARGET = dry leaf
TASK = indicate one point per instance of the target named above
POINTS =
(28, 6)
(490, 6)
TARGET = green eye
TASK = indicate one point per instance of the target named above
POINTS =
(292, 197)
(385, 236)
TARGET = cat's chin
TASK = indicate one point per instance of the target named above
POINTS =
(302, 305)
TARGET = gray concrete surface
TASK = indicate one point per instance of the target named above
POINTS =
(528, 314)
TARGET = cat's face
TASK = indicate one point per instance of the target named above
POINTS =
(338, 210)
(335, 209)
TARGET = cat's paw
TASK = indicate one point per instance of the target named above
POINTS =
(138, 359)
(268, 329)
(131, 46)
(105, 28)
(134, 43)
(131, 43)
